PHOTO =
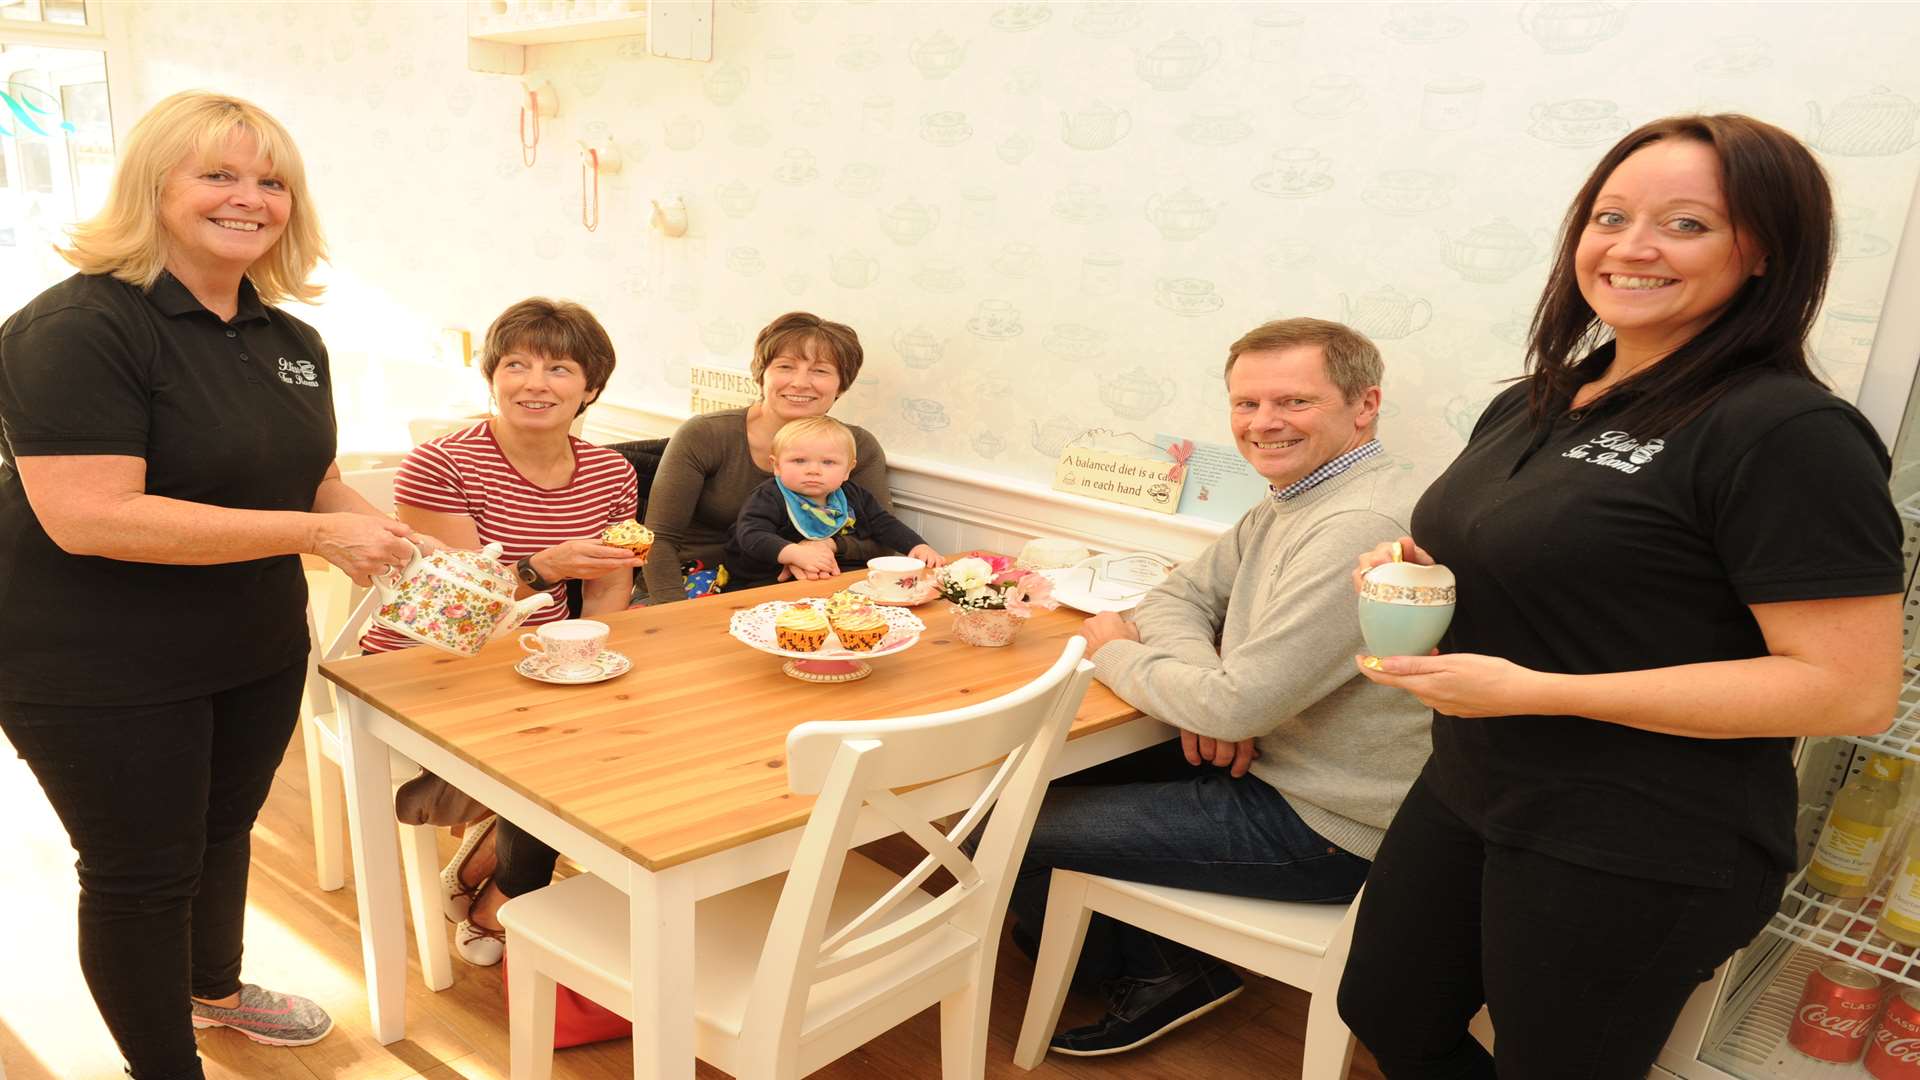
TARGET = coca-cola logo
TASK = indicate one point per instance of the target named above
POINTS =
(1904, 1049)
(1853, 1027)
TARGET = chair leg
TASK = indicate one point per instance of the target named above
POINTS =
(530, 1007)
(1060, 941)
(326, 800)
(420, 864)
(1329, 1045)
(963, 1029)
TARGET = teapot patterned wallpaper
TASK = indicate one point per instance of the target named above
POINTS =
(1041, 217)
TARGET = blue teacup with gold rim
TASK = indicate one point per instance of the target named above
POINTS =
(1405, 608)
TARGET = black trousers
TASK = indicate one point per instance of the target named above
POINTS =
(159, 801)
(1584, 971)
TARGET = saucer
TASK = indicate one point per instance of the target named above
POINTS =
(1214, 132)
(608, 665)
(1269, 184)
(993, 331)
(1198, 305)
(865, 591)
(1019, 17)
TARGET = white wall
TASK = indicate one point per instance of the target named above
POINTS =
(1060, 284)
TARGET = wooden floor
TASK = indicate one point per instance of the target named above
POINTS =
(307, 941)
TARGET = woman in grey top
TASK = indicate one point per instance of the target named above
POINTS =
(803, 364)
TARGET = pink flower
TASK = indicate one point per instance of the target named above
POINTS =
(1028, 592)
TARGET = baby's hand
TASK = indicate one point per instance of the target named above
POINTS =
(810, 560)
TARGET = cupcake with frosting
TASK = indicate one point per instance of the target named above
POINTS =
(800, 628)
(858, 624)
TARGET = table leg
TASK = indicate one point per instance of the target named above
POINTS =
(364, 765)
(661, 935)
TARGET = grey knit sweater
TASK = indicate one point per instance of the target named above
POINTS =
(1276, 593)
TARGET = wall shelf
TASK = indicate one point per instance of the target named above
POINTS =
(550, 30)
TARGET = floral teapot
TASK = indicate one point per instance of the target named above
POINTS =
(454, 600)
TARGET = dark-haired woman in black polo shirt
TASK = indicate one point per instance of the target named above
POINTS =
(170, 439)
(1675, 551)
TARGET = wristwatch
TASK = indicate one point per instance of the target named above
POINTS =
(530, 577)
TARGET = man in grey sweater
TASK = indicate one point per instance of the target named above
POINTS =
(1289, 764)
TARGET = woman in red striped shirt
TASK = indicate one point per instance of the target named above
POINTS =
(521, 480)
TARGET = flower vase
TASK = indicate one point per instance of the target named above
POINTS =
(987, 627)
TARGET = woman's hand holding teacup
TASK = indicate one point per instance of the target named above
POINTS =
(1405, 604)
(1462, 684)
(926, 554)
(584, 560)
(361, 545)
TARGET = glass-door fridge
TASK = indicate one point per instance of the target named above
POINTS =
(1822, 955)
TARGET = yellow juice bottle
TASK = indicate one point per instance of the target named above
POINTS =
(1901, 918)
(1856, 830)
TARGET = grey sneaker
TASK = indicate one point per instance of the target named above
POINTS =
(268, 1017)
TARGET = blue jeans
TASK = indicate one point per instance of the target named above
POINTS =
(1151, 817)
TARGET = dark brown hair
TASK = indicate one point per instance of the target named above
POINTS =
(1779, 203)
(806, 334)
(557, 330)
(1351, 361)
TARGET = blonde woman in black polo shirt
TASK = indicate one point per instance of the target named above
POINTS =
(170, 438)
(1675, 551)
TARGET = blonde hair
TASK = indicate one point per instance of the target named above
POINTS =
(127, 238)
(808, 427)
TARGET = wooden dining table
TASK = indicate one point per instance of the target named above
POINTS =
(669, 781)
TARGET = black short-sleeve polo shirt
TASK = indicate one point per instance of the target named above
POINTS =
(1583, 547)
(230, 413)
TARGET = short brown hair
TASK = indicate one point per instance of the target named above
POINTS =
(805, 333)
(1353, 363)
(554, 329)
(808, 427)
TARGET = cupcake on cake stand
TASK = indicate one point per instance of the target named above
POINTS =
(826, 641)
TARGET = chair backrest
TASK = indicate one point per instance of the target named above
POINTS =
(644, 455)
(855, 764)
(319, 697)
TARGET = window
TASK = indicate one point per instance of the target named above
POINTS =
(56, 153)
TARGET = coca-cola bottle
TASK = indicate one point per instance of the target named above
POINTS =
(1856, 829)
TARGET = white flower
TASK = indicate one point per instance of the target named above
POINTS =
(968, 575)
(981, 593)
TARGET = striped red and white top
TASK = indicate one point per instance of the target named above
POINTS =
(466, 473)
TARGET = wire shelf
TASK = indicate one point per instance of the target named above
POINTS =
(1902, 737)
(1842, 929)
(1909, 507)
(1755, 1046)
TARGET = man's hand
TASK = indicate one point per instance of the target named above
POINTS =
(1107, 626)
(1206, 750)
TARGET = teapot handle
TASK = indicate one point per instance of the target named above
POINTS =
(389, 582)
(535, 648)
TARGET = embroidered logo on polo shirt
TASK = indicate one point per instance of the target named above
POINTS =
(299, 373)
(1617, 450)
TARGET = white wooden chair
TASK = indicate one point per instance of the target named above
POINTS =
(1303, 945)
(326, 798)
(796, 971)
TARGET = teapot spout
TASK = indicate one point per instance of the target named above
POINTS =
(520, 611)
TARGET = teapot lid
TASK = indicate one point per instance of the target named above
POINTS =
(482, 567)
